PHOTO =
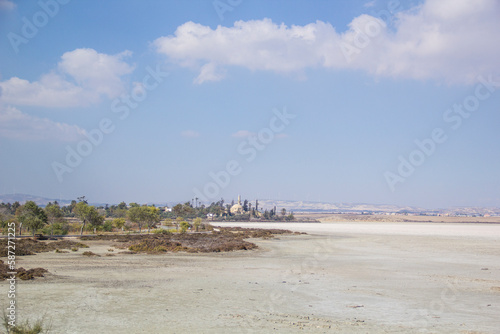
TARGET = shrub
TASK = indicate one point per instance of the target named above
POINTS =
(107, 226)
(25, 328)
(184, 226)
(58, 228)
(162, 231)
(89, 254)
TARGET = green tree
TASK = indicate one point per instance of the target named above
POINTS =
(32, 216)
(184, 226)
(119, 223)
(151, 216)
(283, 212)
(178, 210)
(197, 223)
(95, 218)
(54, 215)
(88, 215)
(135, 215)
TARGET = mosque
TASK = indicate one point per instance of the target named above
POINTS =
(237, 209)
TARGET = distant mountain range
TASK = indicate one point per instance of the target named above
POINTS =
(300, 206)
(22, 198)
(303, 206)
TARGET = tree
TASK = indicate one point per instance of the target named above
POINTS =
(135, 215)
(119, 223)
(95, 218)
(197, 223)
(54, 215)
(283, 212)
(184, 226)
(88, 214)
(32, 216)
(151, 216)
(15, 206)
(178, 210)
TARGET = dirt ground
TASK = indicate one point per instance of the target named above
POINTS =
(340, 278)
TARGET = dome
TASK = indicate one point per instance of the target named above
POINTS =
(237, 208)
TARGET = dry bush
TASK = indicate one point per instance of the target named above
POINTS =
(225, 240)
(21, 272)
(89, 254)
(27, 246)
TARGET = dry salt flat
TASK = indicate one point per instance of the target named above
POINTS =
(339, 278)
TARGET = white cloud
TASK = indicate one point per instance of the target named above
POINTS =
(451, 41)
(209, 72)
(243, 134)
(369, 4)
(82, 77)
(7, 5)
(190, 134)
(16, 125)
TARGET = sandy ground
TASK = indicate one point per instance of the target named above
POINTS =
(340, 278)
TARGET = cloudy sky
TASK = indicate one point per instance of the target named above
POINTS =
(348, 101)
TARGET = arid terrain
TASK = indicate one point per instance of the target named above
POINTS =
(339, 278)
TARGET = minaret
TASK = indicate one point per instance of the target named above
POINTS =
(239, 199)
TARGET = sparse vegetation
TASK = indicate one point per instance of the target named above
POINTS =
(26, 327)
(89, 254)
(224, 240)
(30, 246)
(21, 272)
(162, 231)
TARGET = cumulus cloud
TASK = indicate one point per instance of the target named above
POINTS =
(81, 78)
(17, 125)
(190, 134)
(451, 41)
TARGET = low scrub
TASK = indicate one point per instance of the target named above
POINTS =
(27, 246)
(89, 254)
(22, 273)
(26, 327)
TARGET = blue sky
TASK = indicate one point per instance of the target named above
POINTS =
(336, 101)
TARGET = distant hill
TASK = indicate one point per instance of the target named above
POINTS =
(299, 206)
(303, 206)
(23, 198)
